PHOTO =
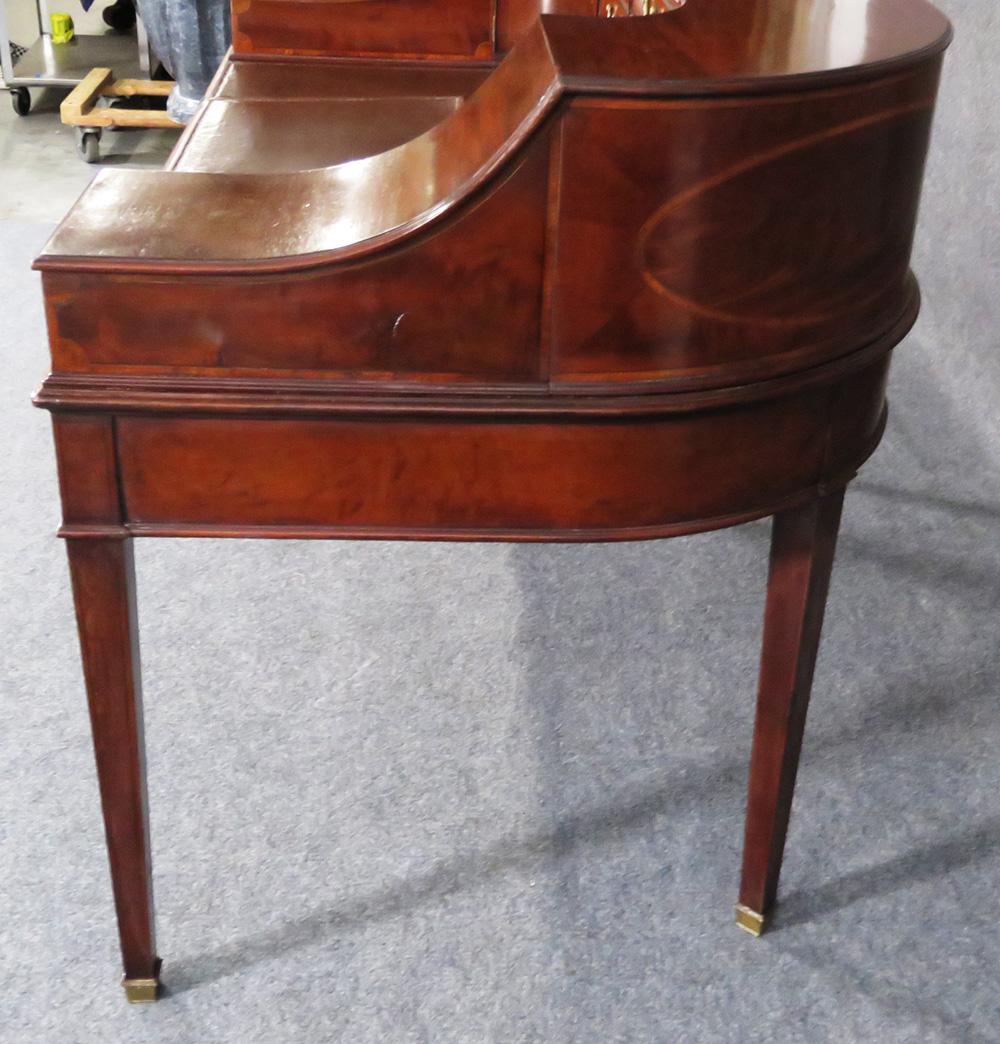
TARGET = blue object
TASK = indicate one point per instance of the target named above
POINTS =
(190, 37)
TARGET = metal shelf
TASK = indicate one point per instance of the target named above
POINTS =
(48, 64)
(65, 65)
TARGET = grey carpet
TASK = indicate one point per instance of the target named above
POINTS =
(440, 793)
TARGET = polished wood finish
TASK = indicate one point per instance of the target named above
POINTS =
(424, 30)
(380, 319)
(103, 577)
(88, 470)
(441, 29)
(734, 46)
(229, 132)
(293, 80)
(802, 549)
(515, 477)
(640, 276)
(719, 269)
(102, 572)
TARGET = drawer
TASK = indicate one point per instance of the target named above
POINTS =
(469, 476)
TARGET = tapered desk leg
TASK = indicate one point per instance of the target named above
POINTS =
(802, 547)
(104, 593)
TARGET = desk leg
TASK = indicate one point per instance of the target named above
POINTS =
(803, 541)
(103, 578)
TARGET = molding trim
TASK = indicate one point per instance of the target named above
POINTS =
(516, 536)
(77, 531)
(317, 397)
(548, 536)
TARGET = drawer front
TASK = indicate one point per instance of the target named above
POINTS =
(470, 477)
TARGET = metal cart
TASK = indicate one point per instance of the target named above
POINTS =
(48, 64)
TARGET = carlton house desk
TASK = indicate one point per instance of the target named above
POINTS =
(494, 270)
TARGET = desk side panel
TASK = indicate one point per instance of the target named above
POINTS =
(737, 237)
(460, 303)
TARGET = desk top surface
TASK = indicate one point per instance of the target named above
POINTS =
(350, 157)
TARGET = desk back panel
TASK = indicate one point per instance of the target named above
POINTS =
(442, 30)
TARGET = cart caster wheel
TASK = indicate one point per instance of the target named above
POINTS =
(20, 98)
(88, 144)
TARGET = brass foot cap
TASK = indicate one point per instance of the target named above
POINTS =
(143, 991)
(749, 920)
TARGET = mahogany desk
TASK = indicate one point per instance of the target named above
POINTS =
(469, 274)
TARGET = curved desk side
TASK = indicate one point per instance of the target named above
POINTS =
(585, 242)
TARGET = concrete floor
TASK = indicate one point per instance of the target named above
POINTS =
(40, 172)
